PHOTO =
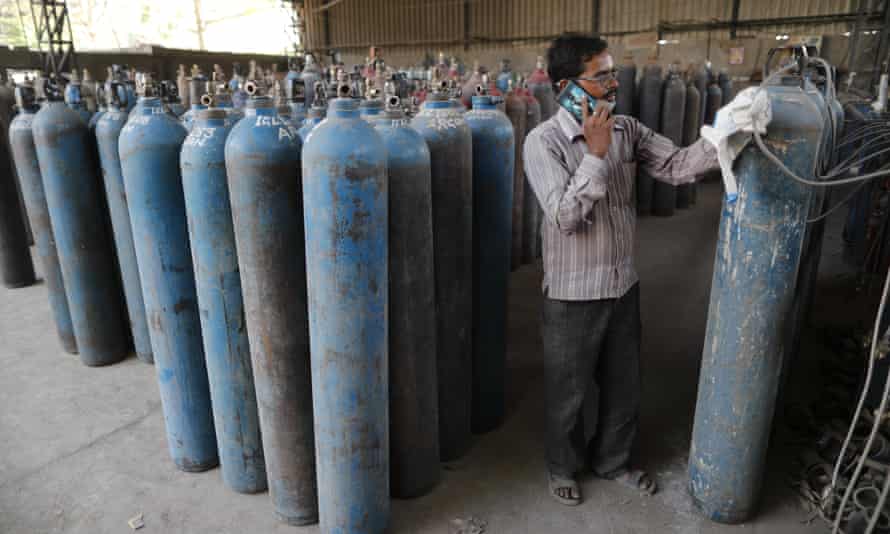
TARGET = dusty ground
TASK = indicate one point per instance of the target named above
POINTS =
(83, 449)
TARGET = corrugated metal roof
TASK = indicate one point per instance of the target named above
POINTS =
(356, 24)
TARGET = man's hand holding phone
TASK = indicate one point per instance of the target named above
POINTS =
(597, 126)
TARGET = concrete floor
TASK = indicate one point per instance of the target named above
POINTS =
(83, 449)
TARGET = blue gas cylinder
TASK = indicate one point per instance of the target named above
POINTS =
(371, 109)
(81, 109)
(650, 91)
(74, 196)
(263, 167)
(811, 251)
(516, 110)
(758, 252)
(188, 118)
(176, 108)
(673, 112)
(16, 265)
(700, 77)
(131, 97)
(532, 214)
(94, 119)
(121, 94)
(451, 159)
(284, 112)
(149, 146)
(74, 99)
(220, 303)
(627, 87)
(345, 197)
(313, 118)
(24, 154)
(108, 131)
(413, 406)
(714, 101)
(493, 186)
(503, 81)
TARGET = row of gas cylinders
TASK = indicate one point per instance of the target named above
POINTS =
(677, 109)
(327, 319)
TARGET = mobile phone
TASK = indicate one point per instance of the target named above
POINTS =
(574, 96)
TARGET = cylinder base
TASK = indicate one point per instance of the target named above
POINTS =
(20, 284)
(195, 467)
(414, 492)
(106, 360)
(297, 521)
(69, 344)
(726, 517)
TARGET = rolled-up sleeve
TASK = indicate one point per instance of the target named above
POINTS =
(567, 199)
(663, 160)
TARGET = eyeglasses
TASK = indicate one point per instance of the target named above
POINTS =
(602, 79)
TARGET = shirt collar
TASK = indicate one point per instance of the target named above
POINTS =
(570, 126)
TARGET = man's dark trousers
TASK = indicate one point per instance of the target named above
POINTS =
(592, 374)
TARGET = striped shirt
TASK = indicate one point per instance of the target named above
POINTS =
(589, 202)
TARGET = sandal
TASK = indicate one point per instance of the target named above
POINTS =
(565, 490)
(636, 479)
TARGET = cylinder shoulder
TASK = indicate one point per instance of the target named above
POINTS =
(482, 116)
(57, 117)
(111, 123)
(794, 109)
(257, 135)
(23, 122)
(205, 142)
(435, 123)
(402, 142)
(327, 140)
(157, 131)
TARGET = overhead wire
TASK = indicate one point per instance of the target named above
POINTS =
(815, 183)
(856, 158)
(859, 134)
(847, 165)
(831, 210)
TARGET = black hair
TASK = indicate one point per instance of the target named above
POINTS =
(569, 52)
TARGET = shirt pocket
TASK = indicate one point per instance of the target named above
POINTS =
(621, 188)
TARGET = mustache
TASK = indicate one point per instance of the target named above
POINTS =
(611, 93)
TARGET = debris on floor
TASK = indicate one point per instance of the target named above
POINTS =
(136, 522)
(470, 525)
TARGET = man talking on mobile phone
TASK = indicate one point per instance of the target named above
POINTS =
(583, 176)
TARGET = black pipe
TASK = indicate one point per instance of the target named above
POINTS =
(735, 19)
